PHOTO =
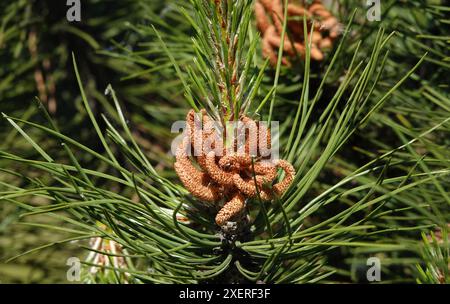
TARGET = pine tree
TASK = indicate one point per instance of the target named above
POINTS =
(364, 124)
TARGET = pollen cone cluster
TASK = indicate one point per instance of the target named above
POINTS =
(217, 173)
(270, 15)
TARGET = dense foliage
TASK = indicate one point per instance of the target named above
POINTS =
(85, 168)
